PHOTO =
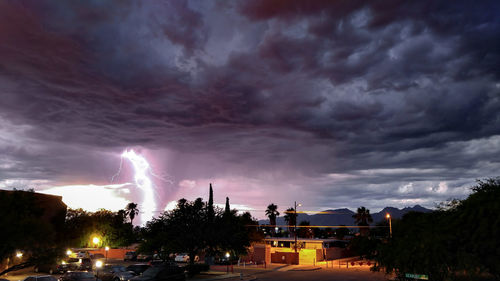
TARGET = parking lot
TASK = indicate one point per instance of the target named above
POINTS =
(24, 273)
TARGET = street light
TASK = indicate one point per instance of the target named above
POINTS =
(107, 249)
(19, 254)
(295, 226)
(388, 216)
(98, 264)
(96, 240)
(68, 252)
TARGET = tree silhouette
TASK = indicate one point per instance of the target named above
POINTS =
(227, 210)
(210, 207)
(290, 218)
(132, 211)
(272, 213)
(363, 218)
(305, 232)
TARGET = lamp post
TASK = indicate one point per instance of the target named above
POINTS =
(388, 216)
(295, 225)
(98, 264)
(107, 249)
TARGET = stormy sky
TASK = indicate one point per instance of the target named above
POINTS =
(329, 103)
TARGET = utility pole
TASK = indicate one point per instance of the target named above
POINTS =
(295, 226)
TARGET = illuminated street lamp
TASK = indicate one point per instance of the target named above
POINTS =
(295, 227)
(19, 254)
(388, 216)
(228, 255)
(107, 249)
(68, 252)
(96, 240)
(98, 264)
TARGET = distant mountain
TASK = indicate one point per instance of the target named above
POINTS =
(344, 216)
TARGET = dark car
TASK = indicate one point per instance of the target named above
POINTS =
(144, 257)
(85, 264)
(138, 269)
(77, 276)
(98, 256)
(49, 268)
(40, 278)
(162, 272)
(70, 264)
(114, 273)
(130, 256)
(63, 266)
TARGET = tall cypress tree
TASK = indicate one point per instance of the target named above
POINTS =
(210, 211)
(228, 209)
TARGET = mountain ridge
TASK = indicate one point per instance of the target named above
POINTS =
(343, 216)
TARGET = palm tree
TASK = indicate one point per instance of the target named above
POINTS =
(132, 211)
(272, 213)
(290, 218)
(363, 218)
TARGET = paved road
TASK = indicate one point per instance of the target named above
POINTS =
(296, 273)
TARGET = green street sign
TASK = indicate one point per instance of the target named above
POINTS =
(417, 276)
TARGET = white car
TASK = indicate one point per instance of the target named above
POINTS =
(185, 258)
(82, 255)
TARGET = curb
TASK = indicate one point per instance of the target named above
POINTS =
(305, 269)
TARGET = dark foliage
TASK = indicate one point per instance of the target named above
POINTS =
(458, 241)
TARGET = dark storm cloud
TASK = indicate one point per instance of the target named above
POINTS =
(307, 89)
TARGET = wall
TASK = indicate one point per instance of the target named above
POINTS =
(285, 257)
(112, 253)
(262, 253)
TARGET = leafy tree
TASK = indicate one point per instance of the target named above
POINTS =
(112, 228)
(341, 232)
(180, 230)
(132, 211)
(459, 240)
(363, 218)
(305, 232)
(185, 229)
(272, 213)
(23, 229)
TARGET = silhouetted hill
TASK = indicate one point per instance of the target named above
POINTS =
(344, 216)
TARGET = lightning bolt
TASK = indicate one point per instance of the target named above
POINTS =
(119, 170)
(142, 169)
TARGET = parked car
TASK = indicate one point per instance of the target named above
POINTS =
(78, 276)
(144, 257)
(98, 256)
(49, 268)
(130, 256)
(114, 273)
(72, 264)
(82, 254)
(40, 278)
(138, 269)
(166, 271)
(185, 258)
(225, 260)
(85, 264)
